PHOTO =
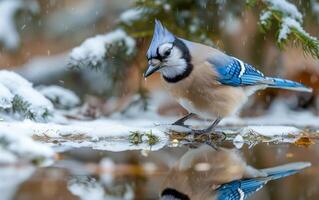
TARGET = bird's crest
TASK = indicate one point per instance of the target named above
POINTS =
(160, 36)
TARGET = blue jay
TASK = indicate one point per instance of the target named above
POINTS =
(209, 174)
(204, 80)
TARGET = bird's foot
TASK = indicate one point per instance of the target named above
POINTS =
(181, 121)
(181, 124)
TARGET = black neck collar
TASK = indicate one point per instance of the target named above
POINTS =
(187, 57)
(174, 193)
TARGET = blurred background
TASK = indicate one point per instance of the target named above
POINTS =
(97, 48)
(50, 42)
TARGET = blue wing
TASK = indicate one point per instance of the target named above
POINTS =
(240, 190)
(244, 188)
(234, 72)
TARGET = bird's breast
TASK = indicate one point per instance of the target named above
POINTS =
(193, 108)
(202, 94)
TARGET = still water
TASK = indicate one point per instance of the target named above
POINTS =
(194, 170)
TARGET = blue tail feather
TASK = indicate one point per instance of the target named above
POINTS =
(286, 84)
(244, 188)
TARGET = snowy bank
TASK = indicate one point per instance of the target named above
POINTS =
(114, 134)
(103, 134)
(16, 147)
(18, 96)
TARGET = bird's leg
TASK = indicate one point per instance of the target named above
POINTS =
(209, 129)
(181, 121)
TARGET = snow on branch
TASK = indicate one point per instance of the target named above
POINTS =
(9, 36)
(97, 51)
(60, 97)
(288, 20)
(131, 15)
(18, 96)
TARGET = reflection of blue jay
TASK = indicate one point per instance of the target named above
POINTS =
(205, 173)
(204, 80)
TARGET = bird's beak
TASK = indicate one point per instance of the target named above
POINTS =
(150, 70)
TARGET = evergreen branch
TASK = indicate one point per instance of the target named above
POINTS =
(288, 22)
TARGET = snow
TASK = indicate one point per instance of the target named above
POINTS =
(61, 97)
(271, 131)
(280, 114)
(18, 147)
(264, 17)
(131, 15)
(37, 104)
(102, 134)
(5, 97)
(286, 26)
(112, 133)
(93, 50)
(291, 18)
(285, 7)
(41, 69)
(9, 35)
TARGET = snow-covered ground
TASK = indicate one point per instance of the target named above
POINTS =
(112, 133)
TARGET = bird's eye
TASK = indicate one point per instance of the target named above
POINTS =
(165, 49)
(167, 52)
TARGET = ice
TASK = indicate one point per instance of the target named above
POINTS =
(61, 97)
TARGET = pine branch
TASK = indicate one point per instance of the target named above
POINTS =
(288, 22)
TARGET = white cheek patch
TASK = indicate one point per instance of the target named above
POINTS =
(164, 48)
(174, 65)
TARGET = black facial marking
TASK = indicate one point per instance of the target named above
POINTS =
(187, 57)
(161, 57)
(174, 193)
(158, 56)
